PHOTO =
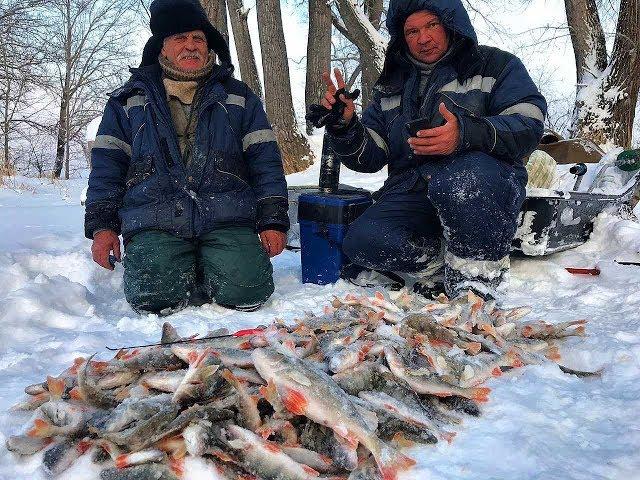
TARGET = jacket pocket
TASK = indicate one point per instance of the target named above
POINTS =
(139, 171)
(231, 166)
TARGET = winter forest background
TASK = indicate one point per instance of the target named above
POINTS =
(60, 58)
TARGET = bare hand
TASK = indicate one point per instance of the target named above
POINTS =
(104, 243)
(328, 100)
(440, 140)
(273, 242)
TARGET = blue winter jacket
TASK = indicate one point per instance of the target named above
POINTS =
(139, 181)
(499, 108)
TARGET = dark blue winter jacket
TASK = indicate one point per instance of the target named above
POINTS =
(499, 108)
(139, 181)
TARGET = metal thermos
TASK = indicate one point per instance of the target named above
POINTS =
(329, 170)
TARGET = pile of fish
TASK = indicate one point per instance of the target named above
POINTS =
(332, 396)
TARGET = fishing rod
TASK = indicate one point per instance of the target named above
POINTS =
(239, 333)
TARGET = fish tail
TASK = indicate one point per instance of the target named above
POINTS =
(480, 394)
(579, 331)
(41, 429)
(56, 386)
(77, 394)
(77, 363)
(390, 461)
(514, 359)
(553, 353)
(473, 348)
(169, 333)
(447, 436)
(527, 331)
(122, 461)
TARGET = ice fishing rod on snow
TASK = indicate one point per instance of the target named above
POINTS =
(239, 333)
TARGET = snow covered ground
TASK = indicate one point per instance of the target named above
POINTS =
(56, 304)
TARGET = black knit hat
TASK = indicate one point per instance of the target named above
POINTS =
(169, 17)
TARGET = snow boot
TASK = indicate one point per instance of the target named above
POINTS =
(369, 278)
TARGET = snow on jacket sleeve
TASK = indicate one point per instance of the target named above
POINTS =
(516, 117)
(110, 158)
(362, 146)
(264, 162)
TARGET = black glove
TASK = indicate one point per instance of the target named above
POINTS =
(320, 116)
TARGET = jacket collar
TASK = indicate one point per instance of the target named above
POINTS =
(149, 78)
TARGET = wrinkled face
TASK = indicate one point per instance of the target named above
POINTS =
(426, 37)
(187, 51)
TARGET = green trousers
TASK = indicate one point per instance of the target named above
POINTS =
(228, 265)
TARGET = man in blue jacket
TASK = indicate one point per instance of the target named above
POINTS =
(186, 167)
(456, 186)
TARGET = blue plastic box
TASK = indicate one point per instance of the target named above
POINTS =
(324, 219)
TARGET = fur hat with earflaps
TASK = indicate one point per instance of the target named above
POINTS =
(169, 17)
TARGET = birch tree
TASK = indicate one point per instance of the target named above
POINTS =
(296, 153)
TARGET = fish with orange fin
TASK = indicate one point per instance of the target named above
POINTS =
(155, 471)
(406, 410)
(60, 456)
(140, 457)
(266, 459)
(247, 403)
(542, 330)
(26, 445)
(476, 374)
(308, 392)
(203, 366)
(430, 384)
(57, 417)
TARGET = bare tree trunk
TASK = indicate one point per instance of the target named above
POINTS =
(373, 9)
(67, 152)
(61, 140)
(247, 60)
(63, 125)
(6, 128)
(296, 153)
(606, 107)
(318, 52)
(6, 106)
(588, 40)
(217, 13)
(7, 159)
(361, 32)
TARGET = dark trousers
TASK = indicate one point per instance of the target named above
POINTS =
(229, 265)
(471, 201)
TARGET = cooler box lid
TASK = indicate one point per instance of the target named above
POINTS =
(340, 208)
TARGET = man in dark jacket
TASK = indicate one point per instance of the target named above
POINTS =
(456, 186)
(186, 167)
